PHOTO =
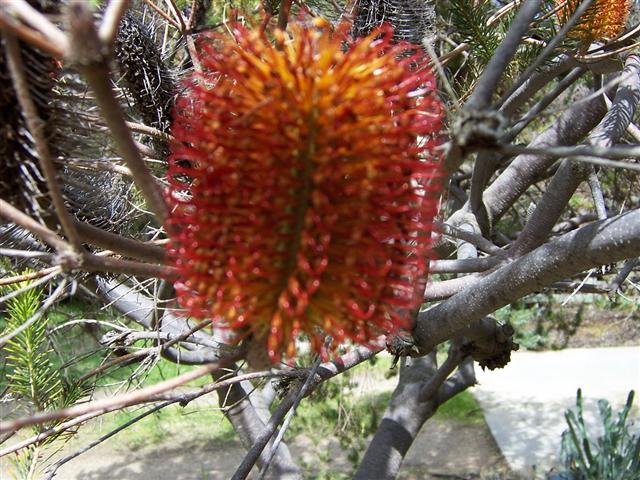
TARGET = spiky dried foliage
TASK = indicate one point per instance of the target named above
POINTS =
(603, 20)
(149, 84)
(21, 181)
(412, 20)
(74, 138)
(308, 202)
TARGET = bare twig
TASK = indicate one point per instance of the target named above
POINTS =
(533, 84)
(11, 252)
(550, 47)
(477, 240)
(325, 371)
(162, 13)
(183, 399)
(430, 388)
(543, 103)
(154, 132)
(597, 195)
(33, 37)
(117, 243)
(598, 243)
(584, 153)
(301, 393)
(111, 20)
(11, 213)
(37, 20)
(117, 402)
(481, 97)
(51, 471)
(467, 265)
(95, 263)
(28, 287)
(29, 276)
(626, 269)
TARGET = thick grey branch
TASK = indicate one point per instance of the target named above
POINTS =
(596, 244)
(245, 417)
(574, 124)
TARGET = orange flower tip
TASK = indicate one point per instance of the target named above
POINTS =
(603, 20)
(303, 182)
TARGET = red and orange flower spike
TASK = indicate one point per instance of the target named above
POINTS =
(603, 20)
(303, 183)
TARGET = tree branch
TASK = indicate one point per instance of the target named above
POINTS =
(573, 125)
(598, 243)
(117, 402)
(119, 244)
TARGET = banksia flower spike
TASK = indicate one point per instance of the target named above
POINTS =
(603, 20)
(304, 183)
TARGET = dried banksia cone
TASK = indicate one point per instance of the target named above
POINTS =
(149, 83)
(304, 184)
(603, 20)
(412, 20)
(21, 181)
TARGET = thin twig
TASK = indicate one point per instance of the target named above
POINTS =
(28, 287)
(51, 471)
(178, 14)
(285, 425)
(183, 399)
(117, 243)
(543, 103)
(597, 195)
(477, 240)
(626, 269)
(583, 153)
(489, 80)
(534, 84)
(547, 50)
(325, 371)
(467, 265)
(111, 20)
(14, 215)
(37, 20)
(146, 129)
(29, 276)
(117, 402)
(162, 13)
(95, 263)
(454, 357)
(32, 37)
(11, 252)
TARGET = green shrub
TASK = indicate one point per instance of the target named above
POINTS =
(615, 455)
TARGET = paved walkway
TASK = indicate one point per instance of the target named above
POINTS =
(524, 403)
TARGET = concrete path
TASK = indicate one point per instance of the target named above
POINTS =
(524, 403)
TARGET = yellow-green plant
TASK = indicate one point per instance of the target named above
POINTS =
(613, 456)
(34, 381)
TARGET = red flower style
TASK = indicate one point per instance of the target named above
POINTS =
(303, 184)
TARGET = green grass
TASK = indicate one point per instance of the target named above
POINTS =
(462, 408)
(190, 425)
(78, 351)
(333, 411)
